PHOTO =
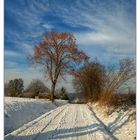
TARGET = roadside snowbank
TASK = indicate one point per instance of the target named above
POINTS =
(18, 111)
(121, 122)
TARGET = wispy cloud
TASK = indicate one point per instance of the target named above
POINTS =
(10, 53)
(103, 29)
(111, 23)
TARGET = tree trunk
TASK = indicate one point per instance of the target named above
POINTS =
(52, 91)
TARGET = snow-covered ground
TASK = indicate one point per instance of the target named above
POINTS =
(121, 122)
(58, 102)
(69, 122)
(18, 111)
(73, 121)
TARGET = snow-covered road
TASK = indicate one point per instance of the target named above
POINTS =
(69, 122)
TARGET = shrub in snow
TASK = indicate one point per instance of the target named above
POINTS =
(14, 88)
(36, 87)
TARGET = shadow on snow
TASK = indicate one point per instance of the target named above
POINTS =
(80, 131)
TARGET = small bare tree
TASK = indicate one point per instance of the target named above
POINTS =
(58, 54)
(116, 78)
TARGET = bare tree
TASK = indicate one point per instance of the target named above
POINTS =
(89, 81)
(58, 54)
(117, 78)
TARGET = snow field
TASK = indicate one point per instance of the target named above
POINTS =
(19, 111)
(73, 122)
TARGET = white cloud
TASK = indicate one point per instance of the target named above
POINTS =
(93, 38)
(110, 26)
(10, 53)
(26, 48)
(11, 65)
(110, 23)
(49, 27)
(20, 52)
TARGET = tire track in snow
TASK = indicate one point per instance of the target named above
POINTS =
(61, 124)
(68, 122)
(66, 130)
(83, 120)
(50, 130)
(39, 127)
(32, 129)
(84, 116)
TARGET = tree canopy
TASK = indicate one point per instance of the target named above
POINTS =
(58, 54)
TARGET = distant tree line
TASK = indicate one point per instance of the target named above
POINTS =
(36, 88)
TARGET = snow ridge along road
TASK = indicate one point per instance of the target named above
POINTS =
(68, 122)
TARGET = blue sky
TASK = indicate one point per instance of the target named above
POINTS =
(103, 28)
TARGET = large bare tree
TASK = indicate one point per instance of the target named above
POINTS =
(58, 54)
